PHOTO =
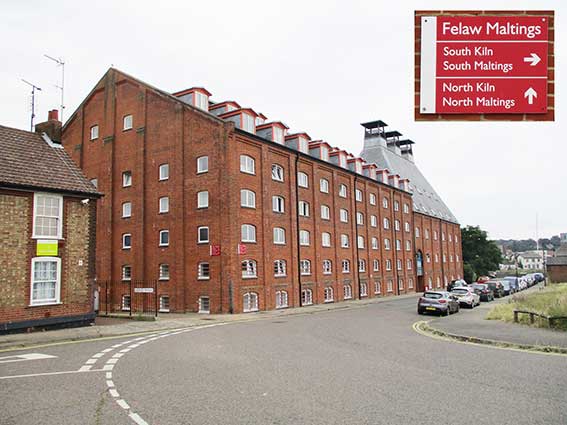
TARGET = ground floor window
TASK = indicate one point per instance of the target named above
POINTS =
(45, 280)
(126, 302)
(363, 290)
(306, 297)
(164, 303)
(377, 288)
(400, 284)
(328, 294)
(204, 305)
(390, 287)
(281, 299)
(410, 283)
(347, 292)
(250, 302)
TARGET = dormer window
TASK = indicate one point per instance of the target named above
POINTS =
(248, 123)
(342, 161)
(201, 101)
(358, 167)
(278, 135)
(303, 145)
(324, 153)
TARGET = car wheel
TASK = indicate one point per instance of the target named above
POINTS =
(419, 312)
(446, 312)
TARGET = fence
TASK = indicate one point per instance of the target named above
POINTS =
(139, 297)
(551, 320)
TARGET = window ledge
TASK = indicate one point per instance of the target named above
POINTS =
(203, 278)
(249, 277)
(329, 301)
(163, 310)
(45, 304)
(280, 275)
(163, 245)
(126, 280)
(48, 238)
(163, 279)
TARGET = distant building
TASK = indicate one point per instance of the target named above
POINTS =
(47, 222)
(557, 265)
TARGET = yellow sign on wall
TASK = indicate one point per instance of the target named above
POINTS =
(47, 248)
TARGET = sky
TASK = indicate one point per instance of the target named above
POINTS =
(322, 67)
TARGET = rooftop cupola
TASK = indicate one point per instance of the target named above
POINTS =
(195, 96)
(393, 140)
(406, 149)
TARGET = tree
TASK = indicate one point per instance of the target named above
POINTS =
(480, 254)
(468, 273)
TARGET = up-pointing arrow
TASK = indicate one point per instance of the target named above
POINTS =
(533, 58)
(530, 94)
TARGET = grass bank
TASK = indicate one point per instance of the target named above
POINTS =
(551, 301)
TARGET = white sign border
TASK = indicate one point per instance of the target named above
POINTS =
(428, 71)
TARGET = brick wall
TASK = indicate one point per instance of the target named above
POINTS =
(549, 116)
(75, 251)
(557, 274)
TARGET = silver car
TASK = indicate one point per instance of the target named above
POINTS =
(467, 297)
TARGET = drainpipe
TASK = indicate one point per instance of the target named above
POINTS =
(440, 238)
(356, 236)
(297, 229)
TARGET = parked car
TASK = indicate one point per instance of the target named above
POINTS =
(515, 282)
(467, 296)
(483, 279)
(523, 282)
(507, 287)
(456, 283)
(496, 287)
(440, 302)
(539, 277)
(484, 292)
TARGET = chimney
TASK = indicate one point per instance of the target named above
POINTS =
(51, 127)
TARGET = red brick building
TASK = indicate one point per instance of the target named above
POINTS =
(232, 213)
(47, 231)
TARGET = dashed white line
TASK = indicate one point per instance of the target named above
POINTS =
(123, 404)
(136, 418)
(113, 392)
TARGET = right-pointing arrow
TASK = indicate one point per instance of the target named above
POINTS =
(530, 94)
(533, 58)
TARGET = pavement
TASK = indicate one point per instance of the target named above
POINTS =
(473, 324)
(111, 327)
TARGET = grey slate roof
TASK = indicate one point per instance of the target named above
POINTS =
(425, 199)
(28, 161)
(560, 258)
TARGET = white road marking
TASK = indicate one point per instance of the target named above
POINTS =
(123, 404)
(125, 350)
(65, 372)
(109, 383)
(113, 393)
(91, 361)
(136, 418)
(98, 355)
(84, 368)
(118, 355)
(111, 361)
(108, 367)
(108, 375)
(25, 357)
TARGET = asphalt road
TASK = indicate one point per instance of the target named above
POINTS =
(361, 365)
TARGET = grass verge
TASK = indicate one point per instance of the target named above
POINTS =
(551, 301)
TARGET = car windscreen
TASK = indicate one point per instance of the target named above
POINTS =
(460, 291)
(432, 295)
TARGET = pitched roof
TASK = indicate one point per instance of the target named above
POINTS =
(560, 258)
(29, 161)
(425, 199)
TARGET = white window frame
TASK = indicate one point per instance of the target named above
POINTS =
(247, 198)
(410, 283)
(203, 270)
(163, 172)
(390, 285)
(344, 240)
(343, 215)
(123, 306)
(249, 269)
(277, 173)
(124, 236)
(374, 243)
(363, 289)
(204, 304)
(327, 267)
(358, 195)
(362, 265)
(377, 287)
(163, 267)
(360, 218)
(406, 208)
(302, 179)
(248, 233)
(408, 245)
(386, 223)
(396, 206)
(280, 268)
(376, 265)
(163, 305)
(33, 282)
(347, 292)
(345, 266)
(388, 265)
(373, 221)
(324, 185)
(202, 164)
(203, 199)
(123, 271)
(281, 299)
(248, 123)
(127, 122)
(199, 240)
(247, 164)
(360, 243)
(304, 238)
(398, 245)
(397, 225)
(59, 217)
(164, 204)
(250, 302)
(277, 202)
(126, 205)
(94, 132)
(417, 232)
(279, 236)
(385, 202)
(407, 227)
(303, 208)
(305, 267)
(127, 178)
(326, 239)
(306, 297)
(387, 244)
(325, 212)
(328, 294)
(343, 191)
(372, 199)
(409, 264)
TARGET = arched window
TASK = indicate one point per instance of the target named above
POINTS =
(279, 268)
(305, 266)
(250, 302)
(278, 204)
(325, 239)
(248, 233)
(247, 198)
(361, 265)
(346, 266)
(328, 294)
(277, 173)
(386, 223)
(281, 299)
(363, 289)
(347, 292)
(302, 179)
(249, 269)
(306, 297)
(247, 164)
(327, 266)
(279, 236)
(304, 237)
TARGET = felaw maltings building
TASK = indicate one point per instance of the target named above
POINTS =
(231, 212)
